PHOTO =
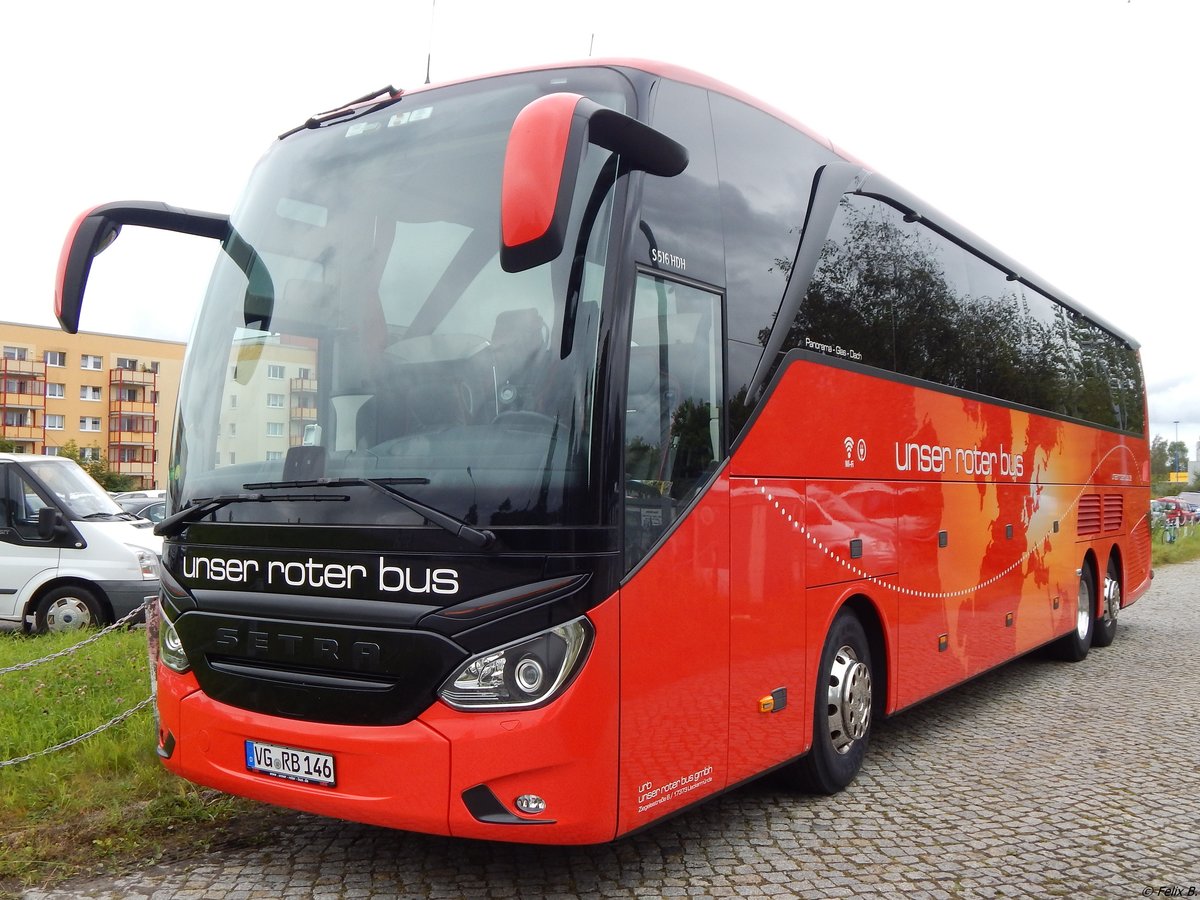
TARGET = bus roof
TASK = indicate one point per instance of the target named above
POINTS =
(873, 182)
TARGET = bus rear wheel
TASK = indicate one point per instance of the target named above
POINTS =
(842, 708)
(1105, 629)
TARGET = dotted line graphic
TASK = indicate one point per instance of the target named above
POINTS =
(801, 531)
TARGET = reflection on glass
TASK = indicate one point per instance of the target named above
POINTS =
(895, 295)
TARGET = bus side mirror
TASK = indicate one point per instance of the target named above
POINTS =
(50, 523)
(541, 165)
(95, 229)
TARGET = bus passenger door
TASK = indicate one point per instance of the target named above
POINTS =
(675, 599)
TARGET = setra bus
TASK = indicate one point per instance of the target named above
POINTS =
(559, 448)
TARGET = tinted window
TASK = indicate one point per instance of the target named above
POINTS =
(767, 169)
(672, 408)
(680, 231)
(897, 295)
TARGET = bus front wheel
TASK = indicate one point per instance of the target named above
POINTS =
(841, 710)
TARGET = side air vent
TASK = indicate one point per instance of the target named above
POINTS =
(1114, 512)
(1089, 515)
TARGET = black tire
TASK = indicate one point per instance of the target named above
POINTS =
(1105, 629)
(1074, 646)
(67, 608)
(842, 708)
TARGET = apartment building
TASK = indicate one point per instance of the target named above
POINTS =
(110, 394)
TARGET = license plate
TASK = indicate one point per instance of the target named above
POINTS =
(288, 762)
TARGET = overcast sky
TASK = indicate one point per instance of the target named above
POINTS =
(1062, 131)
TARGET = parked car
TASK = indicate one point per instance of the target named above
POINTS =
(1176, 511)
(70, 557)
(147, 508)
(147, 494)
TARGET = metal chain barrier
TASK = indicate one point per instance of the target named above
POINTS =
(115, 720)
(74, 647)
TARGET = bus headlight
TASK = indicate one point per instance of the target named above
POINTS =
(522, 674)
(170, 647)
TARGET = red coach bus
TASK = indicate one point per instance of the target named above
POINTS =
(560, 448)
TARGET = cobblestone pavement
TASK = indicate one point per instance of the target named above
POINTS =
(1041, 778)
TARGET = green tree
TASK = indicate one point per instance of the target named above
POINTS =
(96, 465)
(1159, 460)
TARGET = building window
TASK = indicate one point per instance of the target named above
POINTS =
(55, 423)
(124, 362)
(56, 358)
(274, 429)
(50, 451)
(17, 417)
(233, 401)
(89, 392)
(89, 423)
(233, 429)
(275, 401)
(17, 353)
(274, 455)
(274, 371)
(56, 389)
(88, 361)
(304, 374)
(154, 367)
(89, 452)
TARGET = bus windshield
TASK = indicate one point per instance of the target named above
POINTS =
(358, 324)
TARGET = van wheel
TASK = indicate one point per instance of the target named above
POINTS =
(70, 608)
(1105, 628)
(842, 710)
(1074, 646)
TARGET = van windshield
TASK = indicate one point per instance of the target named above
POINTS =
(75, 490)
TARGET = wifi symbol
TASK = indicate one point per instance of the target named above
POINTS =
(848, 443)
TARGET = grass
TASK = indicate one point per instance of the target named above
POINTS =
(1185, 548)
(105, 803)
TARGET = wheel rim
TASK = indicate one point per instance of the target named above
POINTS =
(68, 614)
(1083, 612)
(1112, 599)
(849, 699)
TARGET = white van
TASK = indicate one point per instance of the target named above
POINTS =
(70, 557)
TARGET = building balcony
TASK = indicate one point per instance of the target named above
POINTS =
(130, 407)
(137, 438)
(303, 413)
(131, 377)
(131, 467)
(304, 385)
(10, 367)
(22, 432)
(20, 400)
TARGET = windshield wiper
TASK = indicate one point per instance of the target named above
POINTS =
(457, 527)
(175, 524)
(383, 97)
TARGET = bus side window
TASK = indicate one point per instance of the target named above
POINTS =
(673, 423)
